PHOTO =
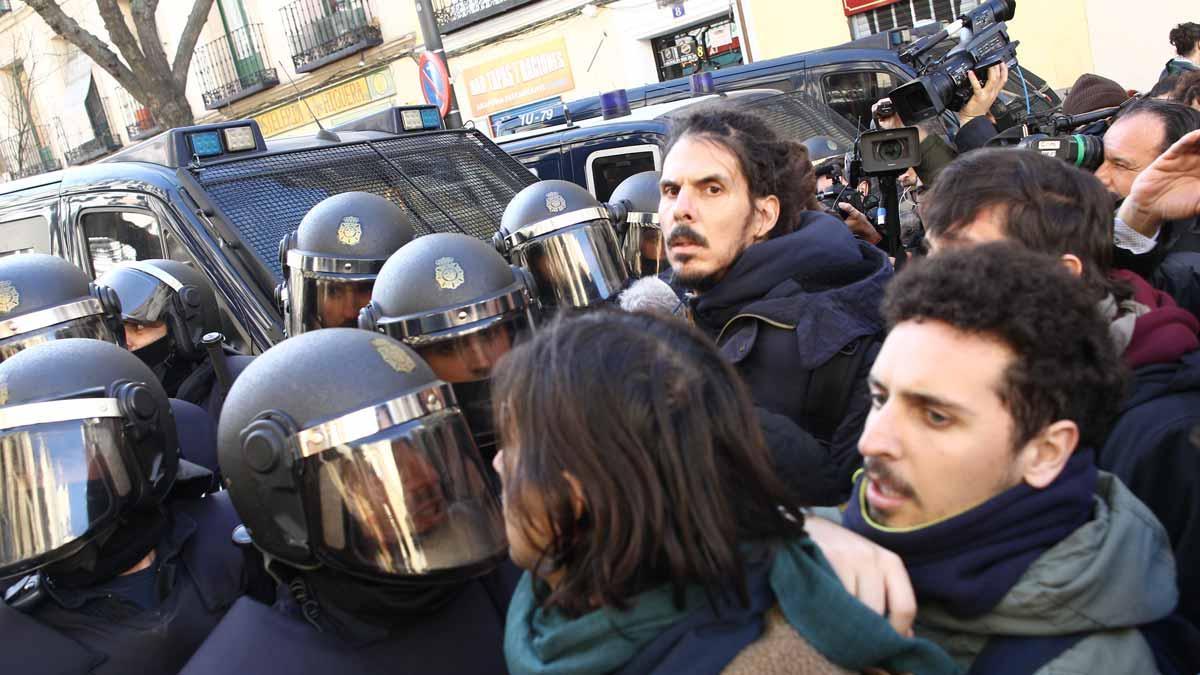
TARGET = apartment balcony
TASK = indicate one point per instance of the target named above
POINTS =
(320, 32)
(92, 149)
(143, 126)
(27, 154)
(451, 15)
(234, 66)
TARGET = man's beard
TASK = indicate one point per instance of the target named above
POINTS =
(699, 282)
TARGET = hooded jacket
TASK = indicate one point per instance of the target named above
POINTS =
(786, 307)
(1106, 579)
(1152, 448)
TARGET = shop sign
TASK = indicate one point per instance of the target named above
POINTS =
(340, 98)
(528, 75)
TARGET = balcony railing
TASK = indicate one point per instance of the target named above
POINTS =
(323, 31)
(234, 67)
(143, 126)
(26, 153)
(452, 15)
(93, 148)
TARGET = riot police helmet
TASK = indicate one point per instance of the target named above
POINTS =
(341, 449)
(87, 440)
(45, 298)
(331, 260)
(168, 295)
(823, 147)
(643, 245)
(565, 238)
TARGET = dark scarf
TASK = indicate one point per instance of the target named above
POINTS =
(170, 369)
(969, 562)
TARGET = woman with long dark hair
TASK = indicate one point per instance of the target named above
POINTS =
(640, 498)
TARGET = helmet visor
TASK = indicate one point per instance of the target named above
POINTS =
(578, 266)
(58, 482)
(645, 250)
(333, 302)
(469, 356)
(409, 500)
(144, 299)
(92, 327)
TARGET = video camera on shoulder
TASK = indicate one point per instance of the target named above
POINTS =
(888, 152)
(943, 84)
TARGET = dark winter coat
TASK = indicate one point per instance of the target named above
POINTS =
(787, 307)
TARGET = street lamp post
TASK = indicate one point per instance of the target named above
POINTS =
(433, 43)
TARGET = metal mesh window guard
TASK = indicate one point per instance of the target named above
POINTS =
(460, 182)
(797, 116)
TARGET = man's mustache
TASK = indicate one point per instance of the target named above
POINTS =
(685, 234)
(880, 471)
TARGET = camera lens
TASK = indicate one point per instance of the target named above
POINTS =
(890, 151)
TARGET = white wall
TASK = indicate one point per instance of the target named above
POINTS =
(1129, 40)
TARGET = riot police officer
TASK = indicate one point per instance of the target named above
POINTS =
(45, 298)
(330, 261)
(461, 306)
(168, 308)
(127, 569)
(355, 475)
(565, 238)
(643, 246)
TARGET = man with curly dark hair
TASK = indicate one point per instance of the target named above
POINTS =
(788, 294)
(996, 383)
(1033, 200)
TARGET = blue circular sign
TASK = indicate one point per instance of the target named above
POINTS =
(435, 81)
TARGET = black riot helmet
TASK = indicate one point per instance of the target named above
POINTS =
(45, 298)
(565, 238)
(643, 246)
(461, 306)
(341, 449)
(171, 292)
(331, 260)
(87, 442)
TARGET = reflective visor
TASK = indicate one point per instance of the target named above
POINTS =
(87, 327)
(470, 356)
(645, 250)
(411, 499)
(575, 267)
(144, 299)
(58, 482)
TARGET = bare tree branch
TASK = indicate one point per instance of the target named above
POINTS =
(187, 40)
(89, 44)
(122, 38)
(147, 33)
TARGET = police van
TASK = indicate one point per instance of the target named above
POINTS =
(583, 141)
(221, 198)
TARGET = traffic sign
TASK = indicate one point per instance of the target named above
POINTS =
(435, 81)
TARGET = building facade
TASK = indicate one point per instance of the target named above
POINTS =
(286, 62)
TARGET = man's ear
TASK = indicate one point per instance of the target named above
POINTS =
(766, 215)
(1073, 264)
(1045, 455)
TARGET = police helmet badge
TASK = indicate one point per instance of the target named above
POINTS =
(9, 297)
(350, 231)
(394, 355)
(449, 274)
(555, 202)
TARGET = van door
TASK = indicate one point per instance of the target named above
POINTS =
(28, 229)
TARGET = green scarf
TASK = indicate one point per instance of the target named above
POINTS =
(541, 642)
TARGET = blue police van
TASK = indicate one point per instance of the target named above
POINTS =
(579, 141)
(221, 198)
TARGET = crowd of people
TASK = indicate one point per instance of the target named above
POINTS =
(705, 428)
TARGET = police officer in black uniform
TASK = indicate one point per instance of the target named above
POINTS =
(168, 308)
(356, 477)
(330, 261)
(643, 246)
(565, 238)
(127, 569)
(45, 298)
(461, 306)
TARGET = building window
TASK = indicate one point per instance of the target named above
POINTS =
(114, 237)
(906, 14)
(703, 47)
